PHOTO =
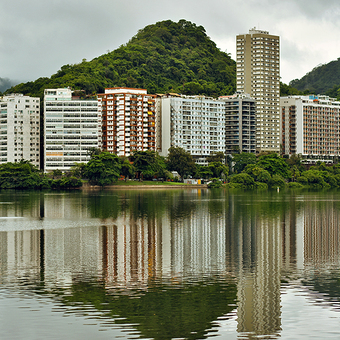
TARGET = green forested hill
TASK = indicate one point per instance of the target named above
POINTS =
(164, 57)
(321, 80)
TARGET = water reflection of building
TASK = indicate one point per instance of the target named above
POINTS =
(144, 249)
(322, 233)
(20, 254)
(193, 239)
(131, 250)
(255, 245)
(196, 237)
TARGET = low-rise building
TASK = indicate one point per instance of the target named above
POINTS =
(71, 127)
(310, 127)
(20, 129)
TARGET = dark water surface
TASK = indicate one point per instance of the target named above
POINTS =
(169, 264)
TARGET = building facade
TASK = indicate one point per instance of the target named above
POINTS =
(20, 129)
(240, 123)
(258, 73)
(194, 123)
(71, 127)
(310, 127)
(128, 120)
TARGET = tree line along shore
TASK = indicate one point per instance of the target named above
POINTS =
(239, 171)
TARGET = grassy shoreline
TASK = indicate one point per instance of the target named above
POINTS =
(145, 185)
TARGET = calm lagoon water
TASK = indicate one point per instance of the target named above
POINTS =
(169, 264)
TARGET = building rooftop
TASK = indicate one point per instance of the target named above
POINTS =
(256, 31)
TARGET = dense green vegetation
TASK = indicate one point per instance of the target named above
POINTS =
(288, 90)
(273, 171)
(163, 57)
(246, 171)
(24, 175)
(324, 79)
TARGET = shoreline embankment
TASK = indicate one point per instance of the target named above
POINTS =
(87, 186)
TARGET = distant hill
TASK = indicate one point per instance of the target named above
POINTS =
(163, 57)
(6, 83)
(321, 80)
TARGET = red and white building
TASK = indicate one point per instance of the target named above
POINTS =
(128, 120)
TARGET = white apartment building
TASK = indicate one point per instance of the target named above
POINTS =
(240, 123)
(310, 127)
(194, 123)
(20, 129)
(71, 127)
(258, 73)
(128, 120)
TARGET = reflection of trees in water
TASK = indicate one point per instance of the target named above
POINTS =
(161, 310)
(324, 287)
(103, 205)
(20, 203)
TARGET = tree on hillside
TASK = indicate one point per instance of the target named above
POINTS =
(321, 79)
(181, 161)
(287, 90)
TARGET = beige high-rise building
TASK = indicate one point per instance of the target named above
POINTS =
(258, 73)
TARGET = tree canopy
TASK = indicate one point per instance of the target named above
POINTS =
(242, 159)
(274, 164)
(103, 169)
(181, 161)
(147, 164)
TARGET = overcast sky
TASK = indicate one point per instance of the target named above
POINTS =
(37, 37)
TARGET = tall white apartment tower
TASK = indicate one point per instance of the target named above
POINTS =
(258, 73)
(20, 129)
(71, 127)
(194, 123)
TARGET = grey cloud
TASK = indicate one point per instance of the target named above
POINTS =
(37, 37)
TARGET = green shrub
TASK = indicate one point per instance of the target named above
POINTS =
(235, 186)
(295, 185)
(302, 180)
(244, 180)
(260, 185)
(277, 182)
(215, 183)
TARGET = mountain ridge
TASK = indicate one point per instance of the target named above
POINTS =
(162, 57)
(322, 79)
